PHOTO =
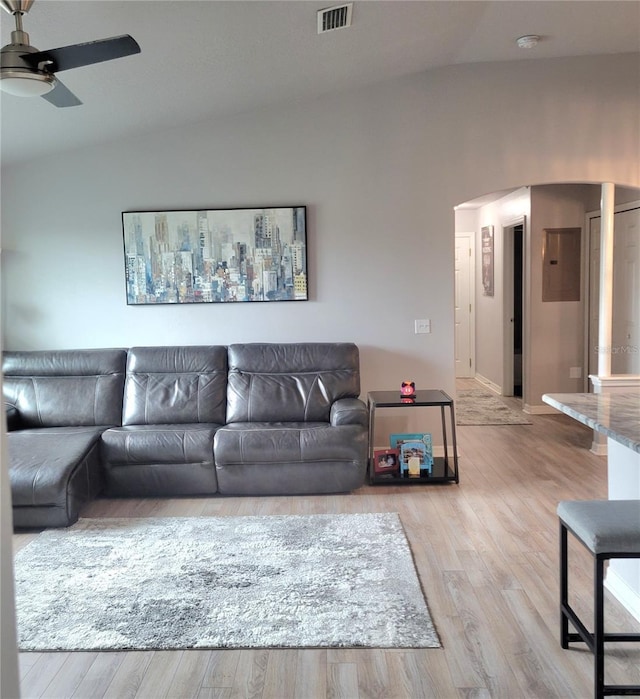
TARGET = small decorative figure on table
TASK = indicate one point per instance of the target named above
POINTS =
(408, 392)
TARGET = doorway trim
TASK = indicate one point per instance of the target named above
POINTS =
(508, 233)
(471, 281)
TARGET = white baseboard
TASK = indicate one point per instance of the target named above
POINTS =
(615, 383)
(539, 409)
(489, 384)
(620, 589)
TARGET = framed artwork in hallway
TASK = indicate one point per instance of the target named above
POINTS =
(487, 260)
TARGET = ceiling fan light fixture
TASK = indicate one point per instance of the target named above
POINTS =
(27, 72)
(25, 84)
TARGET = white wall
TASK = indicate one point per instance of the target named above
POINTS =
(557, 338)
(466, 220)
(490, 341)
(623, 195)
(380, 171)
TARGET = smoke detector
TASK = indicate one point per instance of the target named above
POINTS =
(336, 17)
(528, 41)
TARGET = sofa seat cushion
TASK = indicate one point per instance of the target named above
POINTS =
(42, 463)
(159, 444)
(278, 442)
(159, 460)
(290, 458)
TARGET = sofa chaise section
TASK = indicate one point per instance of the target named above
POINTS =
(174, 402)
(58, 404)
(295, 424)
(53, 473)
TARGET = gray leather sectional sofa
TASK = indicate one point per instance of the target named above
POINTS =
(253, 419)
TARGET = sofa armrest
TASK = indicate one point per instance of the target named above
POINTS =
(349, 411)
(13, 417)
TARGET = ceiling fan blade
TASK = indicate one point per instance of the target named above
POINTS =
(78, 55)
(61, 96)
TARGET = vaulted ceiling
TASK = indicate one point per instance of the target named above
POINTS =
(204, 58)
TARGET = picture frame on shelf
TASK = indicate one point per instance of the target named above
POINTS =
(414, 458)
(386, 461)
(412, 445)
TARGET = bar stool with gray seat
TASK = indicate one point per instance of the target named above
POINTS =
(608, 529)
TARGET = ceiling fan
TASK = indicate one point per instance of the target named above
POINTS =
(26, 72)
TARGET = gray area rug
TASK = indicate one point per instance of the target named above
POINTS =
(222, 582)
(478, 407)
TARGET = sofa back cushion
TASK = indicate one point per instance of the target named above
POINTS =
(290, 382)
(61, 388)
(175, 385)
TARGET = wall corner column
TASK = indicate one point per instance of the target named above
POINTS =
(605, 308)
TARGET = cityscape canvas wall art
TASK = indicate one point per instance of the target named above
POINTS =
(215, 255)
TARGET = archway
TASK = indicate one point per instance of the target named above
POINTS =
(555, 334)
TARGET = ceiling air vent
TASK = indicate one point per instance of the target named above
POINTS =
(334, 18)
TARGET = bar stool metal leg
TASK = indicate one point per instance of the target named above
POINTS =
(564, 588)
(598, 625)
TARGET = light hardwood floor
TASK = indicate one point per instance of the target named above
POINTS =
(486, 551)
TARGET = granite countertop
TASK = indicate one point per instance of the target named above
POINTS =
(616, 415)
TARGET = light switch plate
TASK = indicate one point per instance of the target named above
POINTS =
(423, 326)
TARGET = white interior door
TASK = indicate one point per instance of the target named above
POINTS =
(625, 331)
(464, 305)
(625, 340)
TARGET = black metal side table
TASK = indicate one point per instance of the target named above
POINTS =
(445, 468)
